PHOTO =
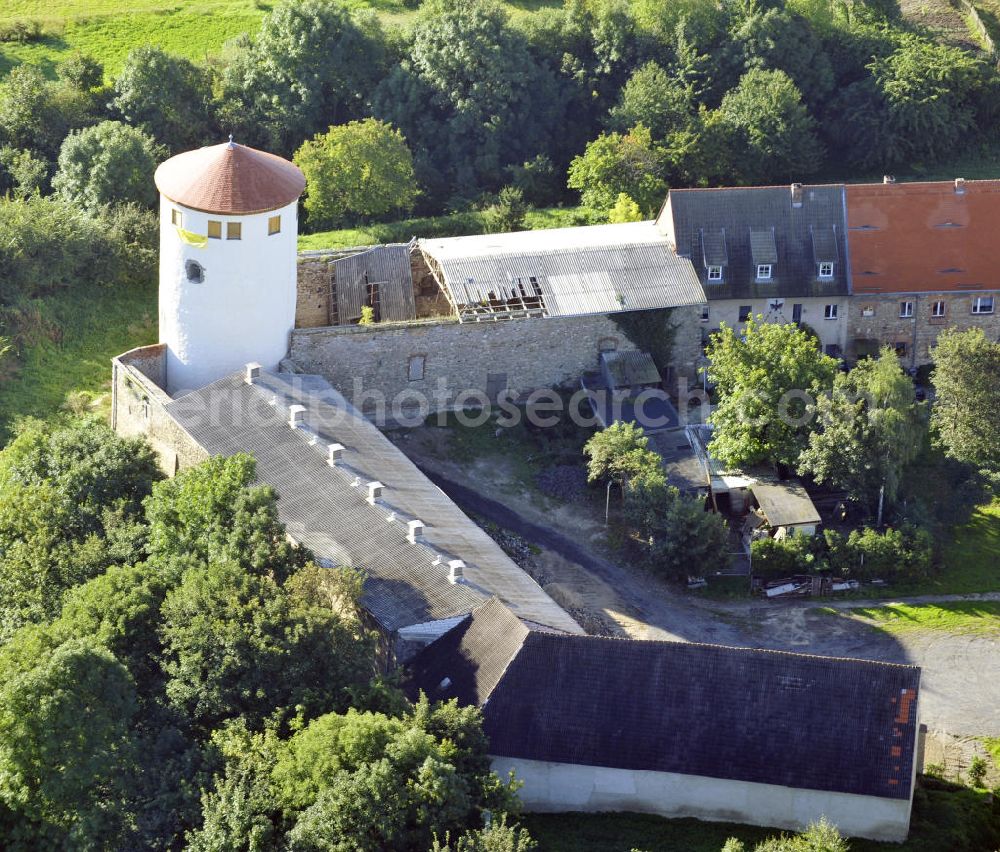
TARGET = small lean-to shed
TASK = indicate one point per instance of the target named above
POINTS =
(785, 507)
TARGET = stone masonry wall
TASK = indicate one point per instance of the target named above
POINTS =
(138, 407)
(877, 318)
(440, 359)
(312, 306)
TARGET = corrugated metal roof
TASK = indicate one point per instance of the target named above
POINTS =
(767, 717)
(322, 508)
(387, 267)
(785, 504)
(566, 271)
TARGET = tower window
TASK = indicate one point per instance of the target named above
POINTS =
(177, 218)
(234, 231)
(195, 271)
(214, 229)
(274, 225)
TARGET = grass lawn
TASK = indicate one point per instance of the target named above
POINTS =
(197, 29)
(945, 817)
(952, 617)
(97, 323)
(450, 225)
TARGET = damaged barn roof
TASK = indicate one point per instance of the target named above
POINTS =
(597, 269)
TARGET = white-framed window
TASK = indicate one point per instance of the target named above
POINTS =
(830, 312)
(939, 309)
(982, 305)
(176, 218)
(715, 273)
(764, 271)
(825, 271)
(905, 310)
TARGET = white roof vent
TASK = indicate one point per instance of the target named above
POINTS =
(334, 453)
(445, 683)
(375, 491)
(415, 531)
(959, 185)
(252, 372)
(456, 569)
(296, 414)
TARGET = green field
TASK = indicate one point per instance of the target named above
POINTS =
(952, 617)
(97, 323)
(196, 29)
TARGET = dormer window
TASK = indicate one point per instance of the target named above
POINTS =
(764, 271)
(825, 272)
(715, 273)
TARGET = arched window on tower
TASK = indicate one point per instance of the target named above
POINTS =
(195, 271)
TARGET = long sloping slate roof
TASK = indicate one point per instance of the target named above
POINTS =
(766, 717)
(597, 269)
(742, 218)
(323, 510)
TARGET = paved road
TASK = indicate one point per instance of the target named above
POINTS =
(961, 673)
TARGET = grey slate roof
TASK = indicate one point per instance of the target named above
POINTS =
(767, 717)
(740, 227)
(322, 509)
(597, 269)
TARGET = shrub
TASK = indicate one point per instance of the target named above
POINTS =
(20, 32)
(977, 771)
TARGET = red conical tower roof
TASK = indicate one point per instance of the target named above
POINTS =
(230, 179)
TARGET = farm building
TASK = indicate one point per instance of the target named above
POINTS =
(770, 738)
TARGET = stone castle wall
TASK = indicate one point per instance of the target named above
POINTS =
(138, 407)
(437, 360)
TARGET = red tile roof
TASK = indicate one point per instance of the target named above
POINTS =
(230, 179)
(924, 237)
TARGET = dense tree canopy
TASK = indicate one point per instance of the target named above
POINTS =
(616, 163)
(109, 162)
(356, 170)
(766, 378)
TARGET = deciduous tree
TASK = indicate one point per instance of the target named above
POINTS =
(617, 163)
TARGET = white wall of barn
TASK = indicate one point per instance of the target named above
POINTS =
(561, 787)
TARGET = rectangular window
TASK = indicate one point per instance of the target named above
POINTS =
(982, 305)
(234, 231)
(177, 218)
(825, 270)
(763, 271)
(715, 273)
(214, 230)
(830, 312)
(274, 225)
(745, 311)
(939, 309)
(905, 310)
(704, 313)
(797, 313)
(900, 349)
(415, 368)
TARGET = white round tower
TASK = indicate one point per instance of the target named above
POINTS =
(228, 242)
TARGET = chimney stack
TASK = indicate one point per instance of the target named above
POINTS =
(375, 491)
(415, 531)
(252, 372)
(959, 186)
(295, 415)
(456, 569)
(334, 453)
(796, 194)
(888, 179)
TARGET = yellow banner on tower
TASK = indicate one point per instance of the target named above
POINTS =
(196, 240)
